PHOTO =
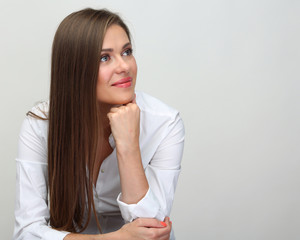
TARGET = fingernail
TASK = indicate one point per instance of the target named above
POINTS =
(163, 223)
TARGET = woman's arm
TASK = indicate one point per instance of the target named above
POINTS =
(78, 236)
(125, 122)
(31, 206)
(136, 230)
(162, 172)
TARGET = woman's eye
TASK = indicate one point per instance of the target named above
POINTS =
(104, 58)
(127, 52)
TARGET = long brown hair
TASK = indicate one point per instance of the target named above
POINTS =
(74, 117)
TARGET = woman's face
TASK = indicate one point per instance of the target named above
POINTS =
(117, 69)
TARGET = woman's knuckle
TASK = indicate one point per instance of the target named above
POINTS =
(153, 235)
(138, 221)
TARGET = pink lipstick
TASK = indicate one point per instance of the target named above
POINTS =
(123, 83)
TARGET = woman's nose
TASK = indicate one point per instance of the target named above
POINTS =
(122, 65)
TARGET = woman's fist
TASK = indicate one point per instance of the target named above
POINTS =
(146, 228)
(125, 126)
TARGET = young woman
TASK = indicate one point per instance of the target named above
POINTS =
(99, 160)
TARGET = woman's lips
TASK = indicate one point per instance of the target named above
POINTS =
(123, 83)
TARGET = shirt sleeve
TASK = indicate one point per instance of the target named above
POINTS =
(162, 174)
(31, 206)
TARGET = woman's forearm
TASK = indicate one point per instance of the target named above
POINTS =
(134, 184)
(142, 228)
(106, 236)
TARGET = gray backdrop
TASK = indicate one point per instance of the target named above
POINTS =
(230, 67)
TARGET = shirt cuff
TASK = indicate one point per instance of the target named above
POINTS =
(147, 207)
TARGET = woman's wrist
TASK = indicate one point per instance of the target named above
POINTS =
(111, 236)
(128, 151)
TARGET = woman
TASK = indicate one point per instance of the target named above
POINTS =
(108, 157)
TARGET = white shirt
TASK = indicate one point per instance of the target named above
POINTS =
(161, 145)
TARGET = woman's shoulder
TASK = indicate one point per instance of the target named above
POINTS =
(36, 121)
(152, 105)
(33, 135)
(40, 110)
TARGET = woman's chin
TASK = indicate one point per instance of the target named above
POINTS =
(119, 101)
(124, 102)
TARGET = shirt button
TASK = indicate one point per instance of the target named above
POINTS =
(102, 170)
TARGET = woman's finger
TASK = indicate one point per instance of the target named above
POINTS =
(150, 223)
(114, 109)
(164, 233)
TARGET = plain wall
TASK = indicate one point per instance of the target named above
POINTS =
(230, 67)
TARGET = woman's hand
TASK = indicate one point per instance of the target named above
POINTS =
(125, 126)
(146, 228)
(139, 229)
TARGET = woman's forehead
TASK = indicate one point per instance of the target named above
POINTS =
(115, 36)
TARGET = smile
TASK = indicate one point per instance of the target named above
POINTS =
(123, 83)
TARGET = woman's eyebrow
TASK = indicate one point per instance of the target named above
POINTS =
(111, 49)
(126, 45)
